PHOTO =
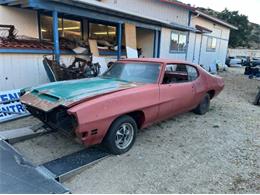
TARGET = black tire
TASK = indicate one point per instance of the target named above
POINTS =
(257, 98)
(112, 135)
(203, 106)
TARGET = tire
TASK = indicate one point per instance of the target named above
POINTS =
(121, 135)
(203, 106)
(257, 99)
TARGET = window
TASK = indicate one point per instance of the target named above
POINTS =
(192, 73)
(211, 44)
(70, 29)
(134, 72)
(178, 42)
(102, 32)
(179, 73)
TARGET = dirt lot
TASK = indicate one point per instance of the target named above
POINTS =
(215, 153)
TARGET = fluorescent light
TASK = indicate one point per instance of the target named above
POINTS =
(70, 28)
(104, 33)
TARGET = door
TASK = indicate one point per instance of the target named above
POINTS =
(176, 91)
(197, 49)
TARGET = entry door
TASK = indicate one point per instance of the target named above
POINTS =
(197, 49)
(175, 98)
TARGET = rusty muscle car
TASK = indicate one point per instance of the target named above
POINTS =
(130, 95)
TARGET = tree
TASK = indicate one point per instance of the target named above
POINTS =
(247, 35)
(242, 36)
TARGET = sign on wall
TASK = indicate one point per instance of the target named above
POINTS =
(10, 105)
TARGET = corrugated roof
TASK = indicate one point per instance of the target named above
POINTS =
(30, 44)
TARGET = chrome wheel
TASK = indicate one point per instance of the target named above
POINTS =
(124, 135)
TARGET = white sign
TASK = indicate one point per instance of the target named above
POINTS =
(10, 105)
(131, 53)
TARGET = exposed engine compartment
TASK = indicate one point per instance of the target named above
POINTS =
(58, 118)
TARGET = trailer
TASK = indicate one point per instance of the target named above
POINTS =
(18, 175)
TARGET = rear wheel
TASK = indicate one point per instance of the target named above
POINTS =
(203, 106)
(121, 135)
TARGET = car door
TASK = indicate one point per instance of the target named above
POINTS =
(176, 91)
(197, 83)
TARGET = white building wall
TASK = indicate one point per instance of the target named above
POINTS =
(217, 30)
(200, 55)
(25, 21)
(153, 8)
(165, 46)
(21, 70)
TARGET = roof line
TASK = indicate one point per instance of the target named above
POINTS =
(179, 4)
(214, 19)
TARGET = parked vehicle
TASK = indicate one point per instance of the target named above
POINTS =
(256, 62)
(235, 60)
(130, 95)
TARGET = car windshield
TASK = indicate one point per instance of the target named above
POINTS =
(134, 72)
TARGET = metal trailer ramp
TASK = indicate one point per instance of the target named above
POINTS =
(66, 166)
(17, 175)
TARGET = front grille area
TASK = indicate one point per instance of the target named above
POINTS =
(57, 118)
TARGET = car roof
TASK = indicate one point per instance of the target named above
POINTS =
(157, 60)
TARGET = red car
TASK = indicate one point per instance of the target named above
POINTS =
(130, 95)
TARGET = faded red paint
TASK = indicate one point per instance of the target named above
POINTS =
(156, 101)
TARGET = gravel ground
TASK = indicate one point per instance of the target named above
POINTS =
(215, 153)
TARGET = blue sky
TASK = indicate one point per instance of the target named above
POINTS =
(251, 8)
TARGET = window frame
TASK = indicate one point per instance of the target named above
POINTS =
(62, 18)
(160, 65)
(188, 81)
(211, 49)
(178, 50)
(102, 23)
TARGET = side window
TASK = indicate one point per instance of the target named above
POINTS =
(192, 73)
(211, 44)
(175, 73)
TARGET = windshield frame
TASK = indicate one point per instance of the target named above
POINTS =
(137, 62)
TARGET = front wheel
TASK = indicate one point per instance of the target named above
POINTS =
(203, 106)
(121, 135)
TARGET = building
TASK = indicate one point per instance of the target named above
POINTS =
(161, 28)
(210, 42)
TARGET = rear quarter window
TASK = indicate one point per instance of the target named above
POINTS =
(192, 73)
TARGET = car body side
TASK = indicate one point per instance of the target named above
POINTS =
(147, 104)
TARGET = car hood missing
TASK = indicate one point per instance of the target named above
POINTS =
(68, 93)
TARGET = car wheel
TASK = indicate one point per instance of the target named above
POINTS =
(121, 135)
(203, 107)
